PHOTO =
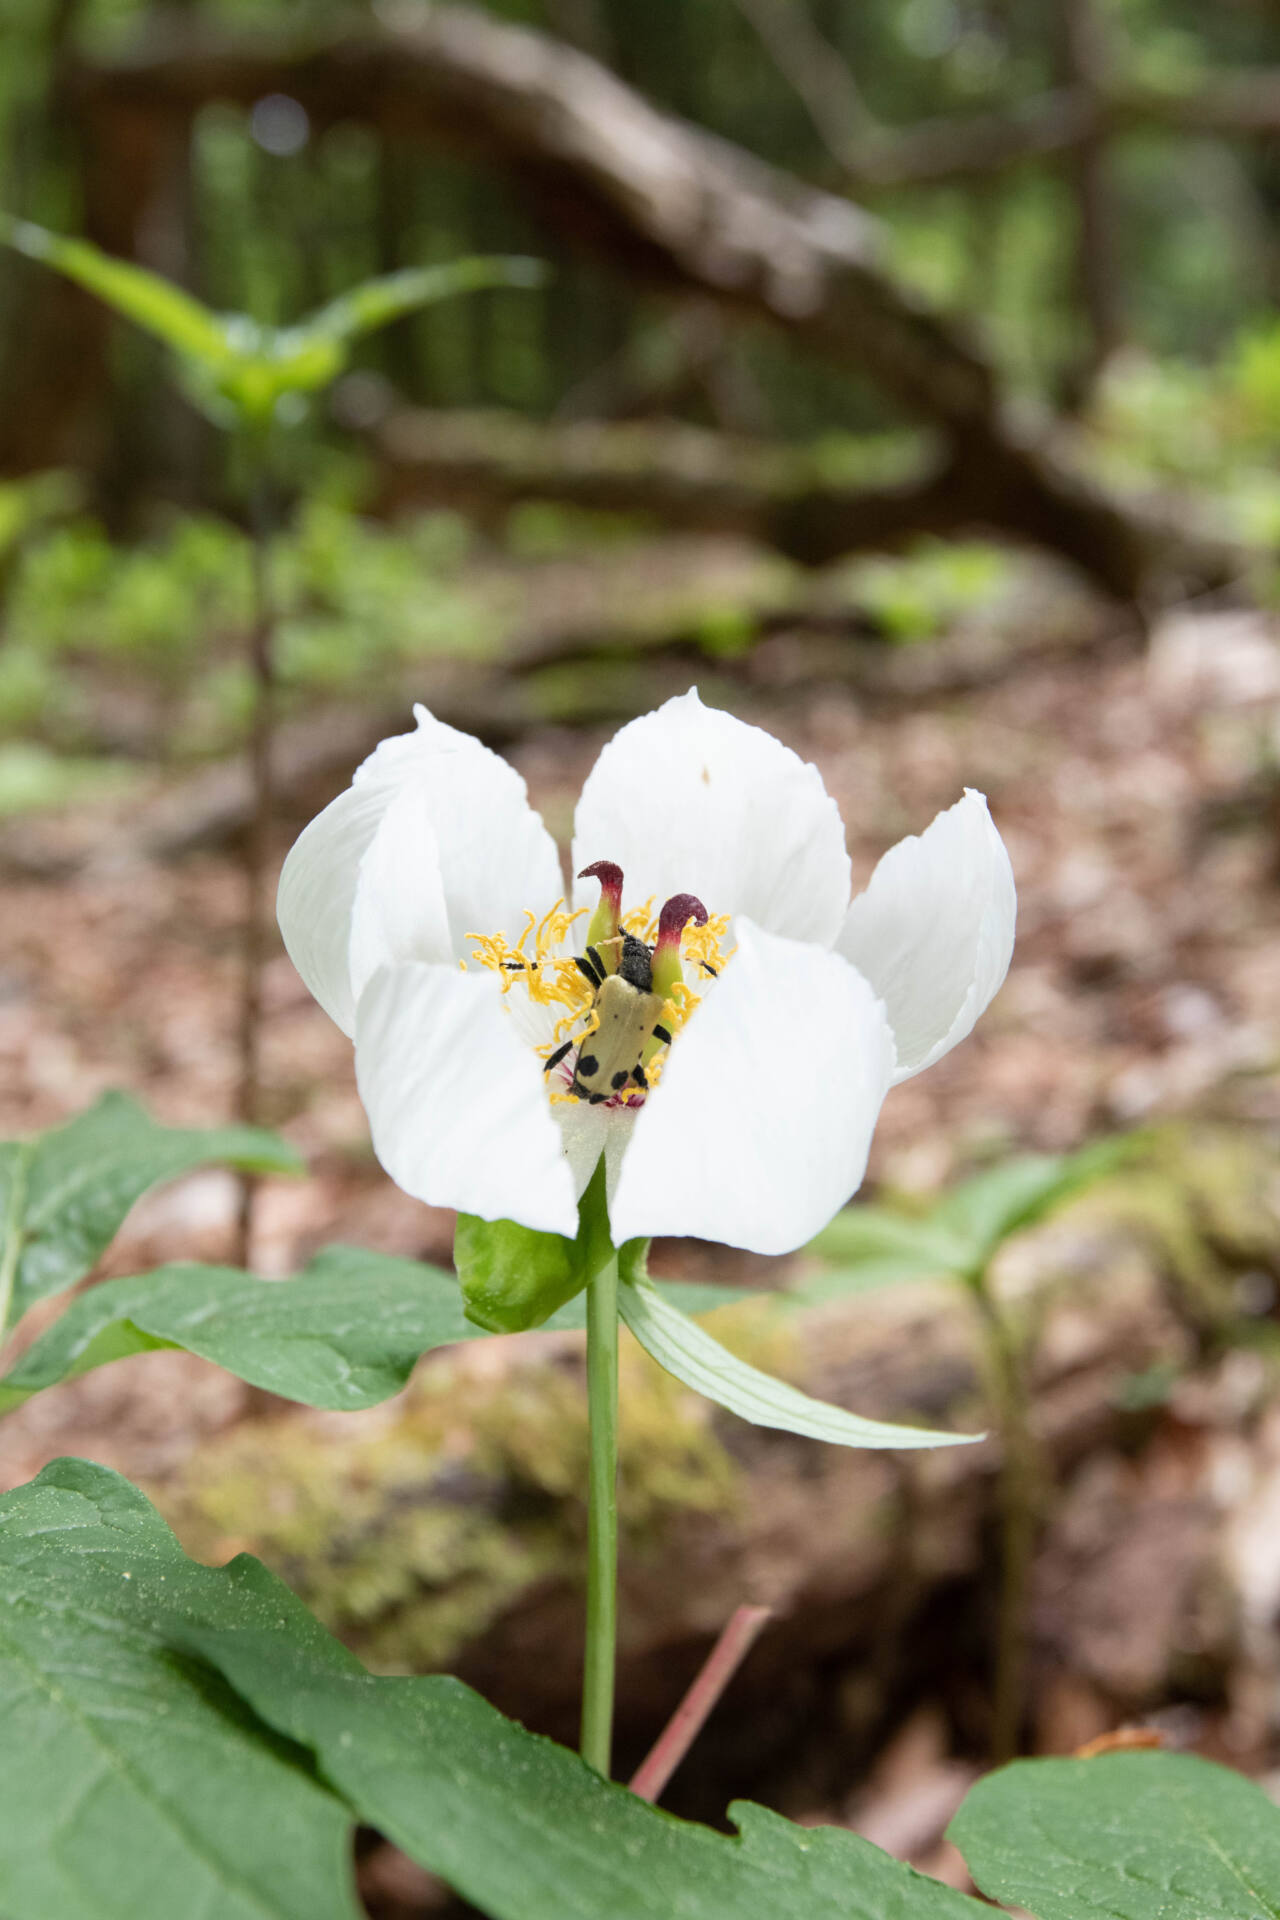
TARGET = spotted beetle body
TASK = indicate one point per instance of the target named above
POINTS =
(627, 1015)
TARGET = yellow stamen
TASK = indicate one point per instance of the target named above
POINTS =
(642, 921)
(551, 976)
(548, 976)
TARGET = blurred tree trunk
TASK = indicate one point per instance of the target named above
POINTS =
(51, 356)
(1083, 63)
(671, 206)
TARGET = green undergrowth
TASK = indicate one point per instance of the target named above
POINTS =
(410, 1530)
(138, 650)
(89, 625)
(1211, 429)
(35, 779)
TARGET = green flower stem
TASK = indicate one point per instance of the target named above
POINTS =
(602, 1519)
(1021, 1489)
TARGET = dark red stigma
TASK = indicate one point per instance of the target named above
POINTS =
(680, 909)
(610, 877)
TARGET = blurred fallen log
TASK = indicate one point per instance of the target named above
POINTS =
(670, 205)
(681, 476)
(694, 480)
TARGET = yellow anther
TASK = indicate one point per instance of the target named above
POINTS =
(550, 975)
(705, 945)
(642, 921)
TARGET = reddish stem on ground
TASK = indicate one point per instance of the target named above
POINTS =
(687, 1722)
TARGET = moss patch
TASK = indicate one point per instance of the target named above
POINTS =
(410, 1531)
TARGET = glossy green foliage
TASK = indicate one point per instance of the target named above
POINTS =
(345, 1334)
(527, 1831)
(232, 362)
(64, 1194)
(134, 1785)
(169, 1725)
(1125, 1836)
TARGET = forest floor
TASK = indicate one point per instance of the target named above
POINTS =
(1136, 789)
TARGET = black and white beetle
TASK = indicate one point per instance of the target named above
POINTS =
(627, 1003)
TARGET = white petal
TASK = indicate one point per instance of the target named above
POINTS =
(399, 911)
(690, 800)
(933, 932)
(495, 856)
(760, 1128)
(588, 1132)
(317, 891)
(456, 1102)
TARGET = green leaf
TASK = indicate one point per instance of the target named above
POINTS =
(961, 1233)
(525, 1830)
(134, 1785)
(693, 1355)
(378, 302)
(64, 1194)
(989, 1209)
(233, 359)
(513, 1278)
(875, 1247)
(690, 1296)
(306, 357)
(1125, 1836)
(344, 1335)
(153, 303)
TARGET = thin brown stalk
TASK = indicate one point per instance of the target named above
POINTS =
(257, 851)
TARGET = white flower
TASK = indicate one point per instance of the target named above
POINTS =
(791, 1010)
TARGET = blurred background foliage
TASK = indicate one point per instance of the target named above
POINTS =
(264, 214)
(1130, 283)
